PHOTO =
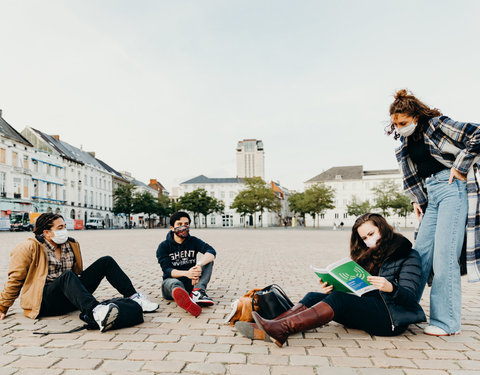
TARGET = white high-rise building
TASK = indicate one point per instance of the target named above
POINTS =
(250, 159)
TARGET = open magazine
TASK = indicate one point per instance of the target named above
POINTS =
(346, 276)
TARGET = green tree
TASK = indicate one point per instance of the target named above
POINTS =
(123, 200)
(318, 199)
(256, 197)
(357, 208)
(296, 202)
(191, 202)
(384, 195)
(144, 202)
(165, 207)
(245, 204)
(208, 205)
(401, 205)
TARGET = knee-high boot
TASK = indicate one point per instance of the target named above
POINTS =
(252, 331)
(279, 330)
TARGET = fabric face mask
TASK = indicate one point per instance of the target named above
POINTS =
(372, 241)
(407, 130)
(182, 231)
(60, 236)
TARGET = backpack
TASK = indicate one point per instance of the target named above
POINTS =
(130, 313)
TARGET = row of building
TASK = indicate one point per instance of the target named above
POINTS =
(42, 173)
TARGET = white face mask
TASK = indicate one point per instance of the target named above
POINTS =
(407, 130)
(60, 236)
(372, 241)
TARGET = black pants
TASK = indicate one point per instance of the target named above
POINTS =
(367, 313)
(70, 292)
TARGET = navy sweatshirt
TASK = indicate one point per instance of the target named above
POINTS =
(172, 255)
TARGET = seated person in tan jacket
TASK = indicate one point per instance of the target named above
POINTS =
(48, 274)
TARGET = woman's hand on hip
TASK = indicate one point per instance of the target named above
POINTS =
(418, 211)
(456, 174)
(381, 283)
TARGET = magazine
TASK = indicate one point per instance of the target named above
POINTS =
(346, 276)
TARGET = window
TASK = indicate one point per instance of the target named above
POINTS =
(3, 177)
(322, 216)
(57, 172)
(336, 216)
(49, 169)
(232, 194)
(25, 188)
(212, 194)
(17, 182)
(212, 219)
(222, 194)
(14, 159)
(2, 155)
(345, 215)
(25, 162)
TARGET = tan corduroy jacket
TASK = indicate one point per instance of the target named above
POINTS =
(27, 274)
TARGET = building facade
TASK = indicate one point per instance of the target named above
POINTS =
(250, 159)
(353, 182)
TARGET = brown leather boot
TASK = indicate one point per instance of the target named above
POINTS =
(279, 330)
(252, 331)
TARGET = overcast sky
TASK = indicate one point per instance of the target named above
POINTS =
(166, 89)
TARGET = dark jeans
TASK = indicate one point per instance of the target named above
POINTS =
(70, 292)
(171, 283)
(367, 313)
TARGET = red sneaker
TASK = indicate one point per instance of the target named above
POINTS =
(183, 300)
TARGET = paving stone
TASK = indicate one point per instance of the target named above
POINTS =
(164, 366)
(249, 349)
(248, 370)
(212, 348)
(79, 363)
(227, 358)
(38, 362)
(147, 355)
(205, 368)
(119, 365)
(109, 354)
(352, 362)
(186, 356)
(272, 359)
(297, 370)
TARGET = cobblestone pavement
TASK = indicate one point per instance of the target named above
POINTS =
(171, 341)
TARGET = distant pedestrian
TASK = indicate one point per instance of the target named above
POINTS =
(438, 159)
(341, 225)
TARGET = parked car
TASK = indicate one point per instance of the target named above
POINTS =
(95, 223)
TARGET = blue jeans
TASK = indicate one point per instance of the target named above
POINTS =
(439, 243)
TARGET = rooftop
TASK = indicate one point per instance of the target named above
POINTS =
(202, 179)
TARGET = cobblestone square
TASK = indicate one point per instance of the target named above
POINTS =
(172, 341)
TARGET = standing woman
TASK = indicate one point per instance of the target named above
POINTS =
(438, 160)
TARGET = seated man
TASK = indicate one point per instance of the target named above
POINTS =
(184, 278)
(48, 272)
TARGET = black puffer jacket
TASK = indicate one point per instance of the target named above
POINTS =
(403, 269)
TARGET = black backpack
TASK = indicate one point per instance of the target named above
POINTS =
(130, 313)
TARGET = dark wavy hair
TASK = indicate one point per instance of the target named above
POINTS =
(177, 216)
(407, 104)
(45, 222)
(371, 258)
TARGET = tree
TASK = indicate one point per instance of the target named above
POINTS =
(165, 207)
(357, 208)
(384, 194)
(123, 200)
(245, 204)
(209, 205)
(191, 202)
(318, 199)
(401, 205)
(256, 197)
(144, 202)
(296, 202)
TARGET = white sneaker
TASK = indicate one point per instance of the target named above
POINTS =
(105, 315)
(437, 331)
(147, 305)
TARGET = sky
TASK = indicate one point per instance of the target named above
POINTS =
(166, 89)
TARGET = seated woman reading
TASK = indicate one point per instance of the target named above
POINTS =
(396, 272)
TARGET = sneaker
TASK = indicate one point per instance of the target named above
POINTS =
(147, 305)
(182, 299)
(200, 297)
(437, 331)
(105, 315)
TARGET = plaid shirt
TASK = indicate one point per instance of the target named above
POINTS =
(454, 144)
(55, 266)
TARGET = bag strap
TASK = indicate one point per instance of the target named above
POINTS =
(76, 329)
(282, 292)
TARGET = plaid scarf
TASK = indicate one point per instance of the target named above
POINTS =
(58, 266)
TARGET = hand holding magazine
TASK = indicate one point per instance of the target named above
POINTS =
(346, 276)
